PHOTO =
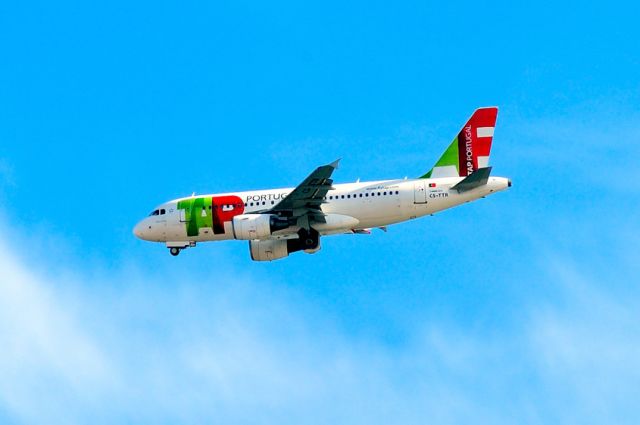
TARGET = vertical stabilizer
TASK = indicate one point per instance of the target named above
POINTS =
(470, 149)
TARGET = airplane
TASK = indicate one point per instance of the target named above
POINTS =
(279, 222)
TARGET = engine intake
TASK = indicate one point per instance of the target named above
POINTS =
(257, 226)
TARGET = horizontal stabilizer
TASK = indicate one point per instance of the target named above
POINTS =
(476, 179)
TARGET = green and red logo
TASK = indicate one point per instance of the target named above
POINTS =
(214, 212)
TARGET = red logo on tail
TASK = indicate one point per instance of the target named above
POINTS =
(473, 144)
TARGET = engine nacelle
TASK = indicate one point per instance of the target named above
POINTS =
(257, 226)
(268, 250)
(274, 249)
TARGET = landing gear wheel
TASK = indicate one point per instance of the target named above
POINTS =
(174, 251)
(309, 239)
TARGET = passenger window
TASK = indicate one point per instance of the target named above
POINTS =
(349, 196)
(342, 196)
(378, 193)
(384, 193)
(397, 193)
(366, 194)
(272, 203)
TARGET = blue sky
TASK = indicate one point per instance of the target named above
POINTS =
(520, 308)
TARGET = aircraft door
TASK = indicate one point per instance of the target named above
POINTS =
(419, 192)
(175, 225)
(185, 215)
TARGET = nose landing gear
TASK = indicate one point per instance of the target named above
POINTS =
(176, 247)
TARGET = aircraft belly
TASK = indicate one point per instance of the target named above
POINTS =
(371, 212)
(207, 234)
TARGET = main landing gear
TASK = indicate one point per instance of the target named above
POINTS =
(309, 239)
(174, 251)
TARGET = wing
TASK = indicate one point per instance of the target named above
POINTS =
(306, 199)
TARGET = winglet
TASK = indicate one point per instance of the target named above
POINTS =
(476, 179)
(335, 163)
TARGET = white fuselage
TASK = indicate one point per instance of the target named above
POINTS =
(364, 205)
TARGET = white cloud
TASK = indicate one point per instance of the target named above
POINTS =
(588, 344)
(45, 354)
(150, 347)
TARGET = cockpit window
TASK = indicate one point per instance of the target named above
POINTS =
(162, 211)
(154, 212)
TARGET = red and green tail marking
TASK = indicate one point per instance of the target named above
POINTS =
(470, 149)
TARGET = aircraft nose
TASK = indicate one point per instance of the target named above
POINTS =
(138, 231)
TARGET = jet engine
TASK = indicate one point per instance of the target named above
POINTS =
(268, 250)
(272, 249)
(257, 226)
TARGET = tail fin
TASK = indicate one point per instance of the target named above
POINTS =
(470, 149)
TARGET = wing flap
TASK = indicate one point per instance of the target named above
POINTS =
(309, 195)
